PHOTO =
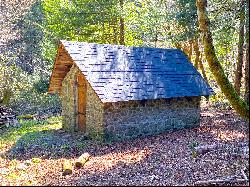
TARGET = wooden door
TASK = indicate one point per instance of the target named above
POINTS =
(81, 107)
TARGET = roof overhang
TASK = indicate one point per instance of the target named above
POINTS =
(61, 67)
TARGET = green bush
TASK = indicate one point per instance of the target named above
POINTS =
(41, 86)
(33, 102)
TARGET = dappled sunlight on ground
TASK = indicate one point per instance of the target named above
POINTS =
(223, 125)
(36, 153)
(207, 114)
(108, 161)
(228, 135)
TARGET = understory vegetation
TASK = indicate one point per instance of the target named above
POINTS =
(32, 30)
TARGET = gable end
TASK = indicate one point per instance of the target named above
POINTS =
(62, 65)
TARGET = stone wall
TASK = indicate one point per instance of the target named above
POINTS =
(94, 114)
(69, 100)
(94, 106)
(125, 120)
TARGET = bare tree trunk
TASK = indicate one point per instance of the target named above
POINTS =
(238, 72)
(156, 38)
(198, 58)
(202, 69)
(183, 47)
(122, 40)
(247, 73)
(190, 50)
(227, 88)
(114, 25)
(103, 27)
(177, 45)
(246, 95)
(197, 53)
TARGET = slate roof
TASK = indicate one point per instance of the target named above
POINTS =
(120, 73)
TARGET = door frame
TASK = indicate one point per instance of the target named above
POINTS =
(81, 102)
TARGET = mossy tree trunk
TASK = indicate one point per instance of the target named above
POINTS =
(246, 95)
(227, 88)
(238, 71)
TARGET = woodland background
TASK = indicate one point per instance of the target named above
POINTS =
(31, 29)
(214, 34)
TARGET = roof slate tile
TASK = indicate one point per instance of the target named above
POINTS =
(119, 73)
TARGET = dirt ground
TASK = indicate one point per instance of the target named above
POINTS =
(164, 159)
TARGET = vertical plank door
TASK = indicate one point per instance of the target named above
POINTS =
(81, 103)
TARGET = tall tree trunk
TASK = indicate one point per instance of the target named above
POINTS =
(156, 38)
(227, 88)
(190, 50)
(202, 69)
(198, 58)
(246, 95)
(183, 47)
(103, 28)
(238, 72)
(122, 40)
(114, 25)
(197, 53)
(178, 45)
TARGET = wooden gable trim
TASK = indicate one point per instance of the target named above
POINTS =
(61, 67)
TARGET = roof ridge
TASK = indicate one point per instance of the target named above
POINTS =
(118, 45)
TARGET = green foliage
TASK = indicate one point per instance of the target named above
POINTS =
(227, 88)
(145, 22)
(41, 86)
(32, 102)
(183, 16)
(92, 21)
(192, 146)
(12, 79)
(26, 65)
(27, 61)
(28, 46)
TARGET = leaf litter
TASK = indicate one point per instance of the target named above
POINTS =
(164, 159)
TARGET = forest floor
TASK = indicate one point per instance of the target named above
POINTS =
(33, 154)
